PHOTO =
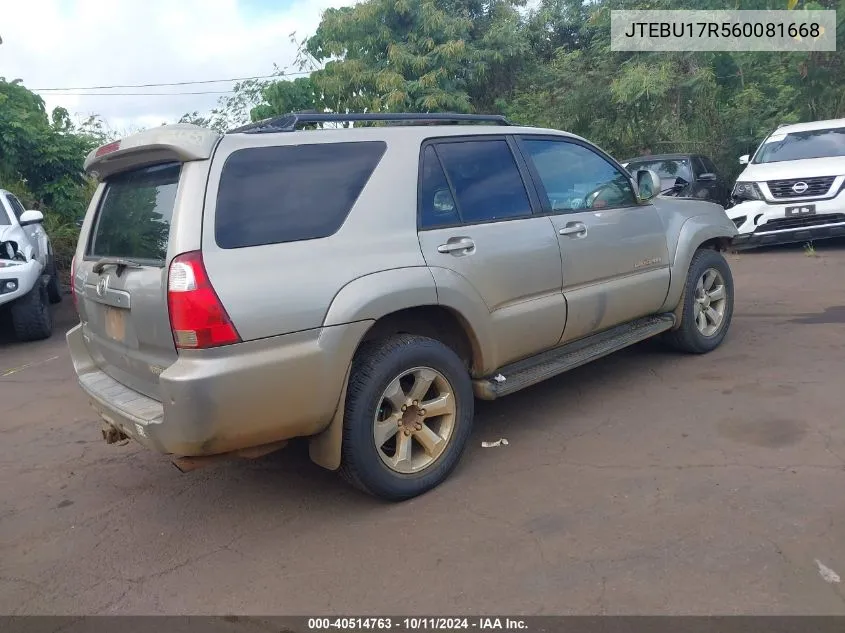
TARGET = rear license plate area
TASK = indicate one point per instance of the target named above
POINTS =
(800, 210)
(116, 323)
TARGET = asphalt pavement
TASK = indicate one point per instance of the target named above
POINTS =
(646, 483)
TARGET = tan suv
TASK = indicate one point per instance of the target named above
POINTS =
(359, 286)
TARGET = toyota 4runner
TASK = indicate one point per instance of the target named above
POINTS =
(361, 286)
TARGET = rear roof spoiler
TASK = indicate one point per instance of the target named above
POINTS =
(180, 142)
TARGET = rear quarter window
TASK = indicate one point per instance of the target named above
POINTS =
(272, 195)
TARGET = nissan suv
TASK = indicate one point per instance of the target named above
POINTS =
(793, 189)
(361, 286)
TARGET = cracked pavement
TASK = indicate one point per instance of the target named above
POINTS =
(645, 483)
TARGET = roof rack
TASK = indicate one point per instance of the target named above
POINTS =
(290, 122)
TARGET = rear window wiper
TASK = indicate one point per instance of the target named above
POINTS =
(119, 262)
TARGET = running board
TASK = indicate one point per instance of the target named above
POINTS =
(530, 371)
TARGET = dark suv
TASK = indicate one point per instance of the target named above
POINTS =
(685, 176)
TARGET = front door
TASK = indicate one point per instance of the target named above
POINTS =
(476, 222)
(613, 247)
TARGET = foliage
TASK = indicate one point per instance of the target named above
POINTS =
(552, 66)
(41, 158)
(417, 56)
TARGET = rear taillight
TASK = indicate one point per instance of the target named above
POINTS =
(73, 284)
(197, 317)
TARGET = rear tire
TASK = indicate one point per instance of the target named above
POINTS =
(393, 447)
(54, 287)
(708, 303)
(31, 318)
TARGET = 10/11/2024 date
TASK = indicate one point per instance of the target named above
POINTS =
(722, 30)
(417, 623)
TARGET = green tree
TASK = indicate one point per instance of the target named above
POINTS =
(417, 55)
(41, 156)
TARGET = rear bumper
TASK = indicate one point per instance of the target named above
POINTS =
(229, 398)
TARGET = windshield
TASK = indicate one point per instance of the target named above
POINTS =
(669, 170)
(802, 145)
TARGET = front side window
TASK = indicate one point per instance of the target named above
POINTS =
(134, 216)
(575, 177)
(485, 179)
(710, 166)
(802, 145)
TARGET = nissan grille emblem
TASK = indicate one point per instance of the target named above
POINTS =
(800, 187)
(102, 286)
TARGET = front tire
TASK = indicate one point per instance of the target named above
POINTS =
(31, 318)
(54, 288)
(708, 303)
(409, 411)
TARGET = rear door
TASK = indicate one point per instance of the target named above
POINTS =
(123, 308)
(613, 248)
(476, 220)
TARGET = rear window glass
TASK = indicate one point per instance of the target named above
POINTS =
(270, 195)
(135, 214)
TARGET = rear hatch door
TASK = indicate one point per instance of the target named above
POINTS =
(123, 294)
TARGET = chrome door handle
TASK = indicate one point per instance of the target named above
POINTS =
(460, 244)
(574, 229)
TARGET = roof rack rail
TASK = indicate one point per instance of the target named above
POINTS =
(290, 122)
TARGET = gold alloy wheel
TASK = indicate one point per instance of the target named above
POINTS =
(414, 420)
(710, 302)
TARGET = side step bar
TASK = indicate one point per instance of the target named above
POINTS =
(530, 371)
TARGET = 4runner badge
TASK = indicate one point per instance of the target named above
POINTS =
(648, 262)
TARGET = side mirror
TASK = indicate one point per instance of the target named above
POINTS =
(648, 183)
(708, 177)
(31, 217)
(744, 159)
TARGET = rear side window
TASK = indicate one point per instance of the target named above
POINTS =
(486, 180)
(271, 195)
(135, 213)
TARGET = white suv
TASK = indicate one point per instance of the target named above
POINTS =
(793, 189)
(28, 278)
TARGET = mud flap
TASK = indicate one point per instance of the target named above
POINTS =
(324, 449)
